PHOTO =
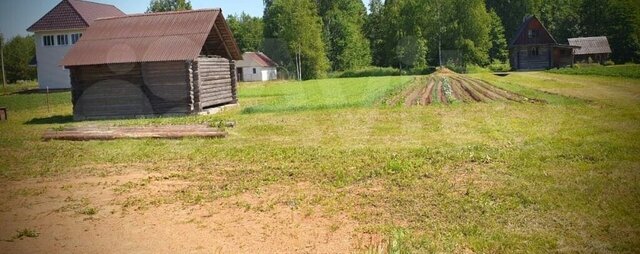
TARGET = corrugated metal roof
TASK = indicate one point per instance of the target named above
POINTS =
(255, 59)
(154, 37)
(74, 14)
(590, 45)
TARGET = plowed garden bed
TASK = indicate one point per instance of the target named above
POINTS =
(452, 88)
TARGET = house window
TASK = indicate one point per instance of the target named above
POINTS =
(533, 33)
(75, 38)
(63, 39)
(534, 51)
(254, 71)
(47, 40)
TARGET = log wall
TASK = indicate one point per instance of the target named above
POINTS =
(152, 89)
(524, 61)
(130, 90)
(215, 82)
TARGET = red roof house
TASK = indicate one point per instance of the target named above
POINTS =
(57, 31)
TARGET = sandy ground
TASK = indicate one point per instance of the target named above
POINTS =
(62, 212)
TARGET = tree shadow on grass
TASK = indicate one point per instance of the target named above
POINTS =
(40, 91)
(59, 119)
(298, 108)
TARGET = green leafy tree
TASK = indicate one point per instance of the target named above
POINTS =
(17, 54)
(168, 5)
(374, 31)
(343, 31)
(2, 42)
(404, 44)
(248, 31)
(562, 18)
(467, 30)
(622, 31)
(498, 50)
(293, 37)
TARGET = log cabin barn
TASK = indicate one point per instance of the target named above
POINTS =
(157, 64)
(534, 48)
(591, 49)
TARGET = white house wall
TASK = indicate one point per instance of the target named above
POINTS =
(50, 73)
(262, 74)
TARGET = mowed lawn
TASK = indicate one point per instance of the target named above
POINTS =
(560, 176)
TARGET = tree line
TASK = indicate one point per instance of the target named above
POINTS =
(314, 37)
(309, 38)
(18, 52)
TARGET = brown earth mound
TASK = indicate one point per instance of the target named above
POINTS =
(444, 70)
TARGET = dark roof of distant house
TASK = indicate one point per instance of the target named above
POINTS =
(155, 37)
(591, 45)
(525, 25)
(74, 14)
(255, 59)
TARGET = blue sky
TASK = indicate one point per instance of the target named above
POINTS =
(17, 15)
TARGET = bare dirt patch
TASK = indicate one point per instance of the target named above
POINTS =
(90, 214)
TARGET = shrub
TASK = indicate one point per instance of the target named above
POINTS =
(472, 68)
(609, 62)
(499, 66)
(627, 71)
(373, 71)
(367, 72)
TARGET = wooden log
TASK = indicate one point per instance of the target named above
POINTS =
(221, 100)
(214, 90)
(133, 133)
(215, 84)
(217, 102)
(216, 95)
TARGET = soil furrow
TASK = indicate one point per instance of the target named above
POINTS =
(486, 92)
(504, 93)
(474, 94)
(431, 90)
(459, 93)
(426, 95)
(413, 96)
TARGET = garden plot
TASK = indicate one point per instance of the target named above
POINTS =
(450, 88)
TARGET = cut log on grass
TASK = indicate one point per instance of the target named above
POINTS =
(113, 133)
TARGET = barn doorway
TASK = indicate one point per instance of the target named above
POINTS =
(240, 74)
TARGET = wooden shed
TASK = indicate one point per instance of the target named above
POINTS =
(534, 48)
(596, 49)
(157, 64)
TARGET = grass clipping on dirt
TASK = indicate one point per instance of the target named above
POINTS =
(447, 87)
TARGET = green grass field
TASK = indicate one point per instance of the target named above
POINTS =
(560, 176)
(623, 71)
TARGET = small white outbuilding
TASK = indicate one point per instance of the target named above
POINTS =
(256, 66)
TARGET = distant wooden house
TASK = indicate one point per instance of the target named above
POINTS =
(153, 64)
(595, 48)
(256, 66)
(534, 48)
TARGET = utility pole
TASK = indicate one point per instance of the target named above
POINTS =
(4, 76)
